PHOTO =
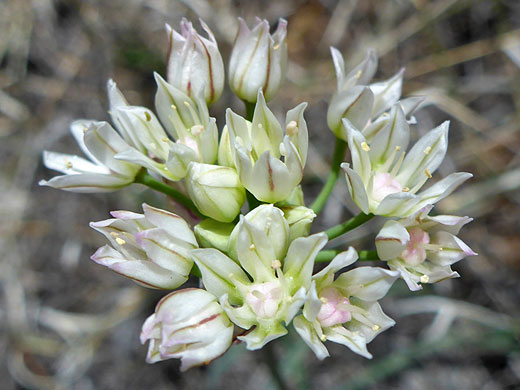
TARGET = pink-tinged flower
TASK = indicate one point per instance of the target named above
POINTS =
(384, 179)
(189, 325)
(194, 62)
(422, 248)
(258, 60)
(266, 285)
(345, 310)
(152, 249)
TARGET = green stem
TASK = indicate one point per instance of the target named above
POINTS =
(272, 362)
(328, 254)
(337, 159)
(147, 180)
(250, 110)
(349, 225)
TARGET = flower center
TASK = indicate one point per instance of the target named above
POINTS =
(384, 184)
(415, 252)
(334, 309)
(264, 299)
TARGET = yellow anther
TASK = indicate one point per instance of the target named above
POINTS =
(68, 164)
(324, 300)
(397, 148)
(275, 264)
(291, 128)
(147, 116)
(358, 74)
(260, 126)
(252, 247)
(276, 47)
(365, 146)
(425, 279)
(173, 107)
(165, 139)
(323, 337)
(186, 103)
(85, 128)
(405, 189)
(375, 328)
(427, 173)
(120, 241)
(428, 150)
(114, 234)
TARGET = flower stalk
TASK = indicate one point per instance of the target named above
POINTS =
(349, 225)
(144, 178)
(337, 159)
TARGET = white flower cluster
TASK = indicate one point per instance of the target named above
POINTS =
(257, 268)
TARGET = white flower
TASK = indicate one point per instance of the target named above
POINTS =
(422, 248)
(258, 60)
(151, 249)
(194, 62)
(345, 310)
(384, 180)
(189, 325)
(257, 147)
(265, 286)
(358, 101)
(100, 143)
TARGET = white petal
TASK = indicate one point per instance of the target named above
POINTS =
(391, 240)
(219, 273)
(70, 164)
(426, 155)
(87, 182)
(299, 262)
(366, 283)
(356, 188)
(309, 336)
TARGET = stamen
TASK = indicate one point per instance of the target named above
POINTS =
(120, 241)
(196, 130)
(291, 128)
(147, 116)
(114, 234)
(252, 247)
(275, 264)
(192, 111)
(174, 108)
(358, 74)
(405, 189)
(425, 279)
(397, 165)
(428, 174)
(365, 146)
(68, 164)
(276, 47)
(428, 150)
(323, 338)
(376, 327)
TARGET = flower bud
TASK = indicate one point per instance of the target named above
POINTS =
(194, 62)
(258, 60)
(189, 325)
(213, 234)
(215, 190)
(299, 219)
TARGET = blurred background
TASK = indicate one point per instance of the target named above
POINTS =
(67, 323)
